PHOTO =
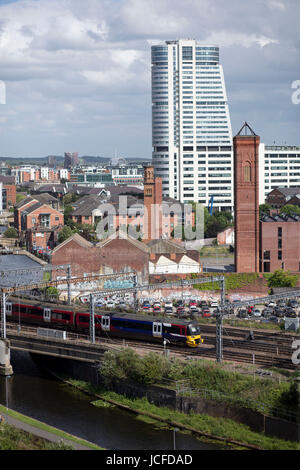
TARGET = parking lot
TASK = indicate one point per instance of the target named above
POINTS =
(272, 312)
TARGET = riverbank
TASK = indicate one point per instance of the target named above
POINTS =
(222, 431)
(33, 429)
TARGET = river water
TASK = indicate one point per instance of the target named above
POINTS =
(31, 391)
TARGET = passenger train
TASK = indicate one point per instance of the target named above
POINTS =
(109, 324)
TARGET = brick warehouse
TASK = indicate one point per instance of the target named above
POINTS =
(115, 254)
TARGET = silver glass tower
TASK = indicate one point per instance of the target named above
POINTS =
(191, 129)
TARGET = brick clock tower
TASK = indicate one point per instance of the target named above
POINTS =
(246, 197)
(153, 204)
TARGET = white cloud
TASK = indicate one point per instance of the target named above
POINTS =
(224, 38)
(276, 4)
(70, 65)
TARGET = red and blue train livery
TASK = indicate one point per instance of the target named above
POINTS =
(110, 324)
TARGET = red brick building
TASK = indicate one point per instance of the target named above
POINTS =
(113, 255)
(148, 215)
(280, 197)
(38, 223)
(9, 186)
(280, 243)
(246, 180)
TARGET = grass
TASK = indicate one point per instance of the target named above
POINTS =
(162, 417)
(201, 376)
(213, 251)
(232, 281)
(15, 439)
(45, 427)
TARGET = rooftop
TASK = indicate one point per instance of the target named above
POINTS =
(281, 218)
(11, 262)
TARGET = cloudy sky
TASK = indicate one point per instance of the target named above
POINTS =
(77, 73)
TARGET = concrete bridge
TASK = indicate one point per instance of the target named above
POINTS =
(35, 341)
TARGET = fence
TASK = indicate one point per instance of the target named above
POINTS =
(183, 388)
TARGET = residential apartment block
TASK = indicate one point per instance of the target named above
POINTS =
(38, 221)
(279, 167)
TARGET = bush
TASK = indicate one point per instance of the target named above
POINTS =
(11, 233)
(128, 365)
(282, 279)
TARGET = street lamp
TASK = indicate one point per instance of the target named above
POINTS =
(6, 395)
(174, 437)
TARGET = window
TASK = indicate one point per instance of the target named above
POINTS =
(247, 173)
(279, 231)
(45, 220)
(266, 267)
(280, 254)
(267, 255)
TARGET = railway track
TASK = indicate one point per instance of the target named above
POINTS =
(260, 352)
(233, 331)
(254, 345)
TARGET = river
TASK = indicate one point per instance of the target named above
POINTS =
(31, 391)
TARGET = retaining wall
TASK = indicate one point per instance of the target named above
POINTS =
(161, 396)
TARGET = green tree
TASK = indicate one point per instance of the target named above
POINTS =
(216, 223)
(11, 233)
(65, 233)
(264, 209)
(20, 197)
(281, 278)
(67, 214)
(290, 209)
(87, 231)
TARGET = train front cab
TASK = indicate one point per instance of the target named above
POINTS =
(193, 338)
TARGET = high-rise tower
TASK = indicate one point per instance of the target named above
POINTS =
(246, 195)
(191, 130)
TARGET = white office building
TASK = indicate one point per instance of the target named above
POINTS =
(191, 129)
(279, 166)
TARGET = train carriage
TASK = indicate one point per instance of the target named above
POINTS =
(40, 313)
(109, 324)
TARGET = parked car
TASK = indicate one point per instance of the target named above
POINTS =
(291, 313)
(169, 304)
(293, 303)
(194, 310)
(206, 312)
(242, 313)
(146, 305)
(214, 304)
(169, 310)
(280, 313)
(256, 312)
(180, 311)
(110, 304)
(267, 312)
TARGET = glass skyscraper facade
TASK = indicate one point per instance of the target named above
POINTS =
(191, 129)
